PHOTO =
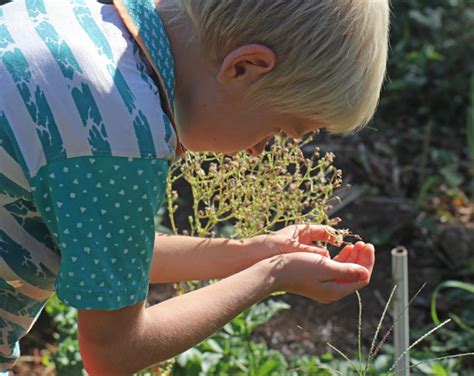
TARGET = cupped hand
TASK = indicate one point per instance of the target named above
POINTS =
(359, 253)
(323, 279)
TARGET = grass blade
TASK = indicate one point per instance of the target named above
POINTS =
(359, 331)
(440, 358)
(418, 341)
(344, 356)
(379, 346)
(372, 346)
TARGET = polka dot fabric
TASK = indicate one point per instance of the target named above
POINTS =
(101, 213)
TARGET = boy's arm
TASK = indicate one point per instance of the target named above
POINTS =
(125, 341)
(184, 258)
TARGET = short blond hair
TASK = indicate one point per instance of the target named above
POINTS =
(331, 54)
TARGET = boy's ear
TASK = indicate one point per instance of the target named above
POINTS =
(246, 63)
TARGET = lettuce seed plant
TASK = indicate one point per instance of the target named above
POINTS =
(258, 194)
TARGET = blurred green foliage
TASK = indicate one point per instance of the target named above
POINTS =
(425, 101)
(470, 121)
(66, 359)
(458, 299)
(430, 64)
(232, 351)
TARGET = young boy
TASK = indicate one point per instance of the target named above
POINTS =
(95, 102)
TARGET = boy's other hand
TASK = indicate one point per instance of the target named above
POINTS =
(323, 279)
(297, 238)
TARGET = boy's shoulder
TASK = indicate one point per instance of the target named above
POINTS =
(75, 83)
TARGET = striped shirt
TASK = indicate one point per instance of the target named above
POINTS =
(86, 138)
(73, 82)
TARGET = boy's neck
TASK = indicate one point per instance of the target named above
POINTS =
(188, 61)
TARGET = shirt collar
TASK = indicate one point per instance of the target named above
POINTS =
(144, 23)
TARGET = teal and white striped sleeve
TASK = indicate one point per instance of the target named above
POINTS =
(100, 211)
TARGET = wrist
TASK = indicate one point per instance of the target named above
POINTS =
(259, 249)
(273, 269)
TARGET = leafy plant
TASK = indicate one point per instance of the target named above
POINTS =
(428, 65)
(232, 351)
(66, 358)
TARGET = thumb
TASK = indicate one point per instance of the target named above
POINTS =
(346, 272)
(300, 247)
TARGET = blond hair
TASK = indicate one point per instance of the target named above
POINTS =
(331, 54)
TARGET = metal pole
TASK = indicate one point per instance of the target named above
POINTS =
(400, 304)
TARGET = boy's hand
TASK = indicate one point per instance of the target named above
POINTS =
(322, 279)
(297, 238)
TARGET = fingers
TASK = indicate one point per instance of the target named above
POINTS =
(362, 254)
(367, 257)
(352, 280)
(313, 233)
(354, 256)
(344, 254)
(312, 249)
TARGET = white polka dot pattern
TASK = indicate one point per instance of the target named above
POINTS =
(100, 211)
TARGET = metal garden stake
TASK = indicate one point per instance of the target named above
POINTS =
(400, 310)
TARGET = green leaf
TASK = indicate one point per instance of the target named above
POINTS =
(452, 176)
(383, 362)
(269, 366)
(469, 287)
(228, 328)
(430, 182)
(191, 355)
(261, 313)
(439, 370)
(208, 361)
(212, 345)
(327, 357)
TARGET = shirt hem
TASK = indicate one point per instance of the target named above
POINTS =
(103, 300)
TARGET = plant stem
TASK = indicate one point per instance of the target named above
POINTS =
(359, 332)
